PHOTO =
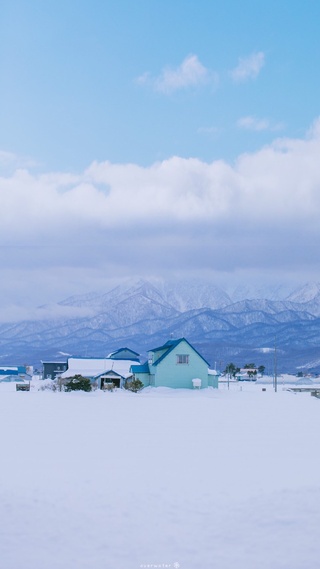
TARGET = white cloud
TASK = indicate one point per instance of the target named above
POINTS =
(248, 67)
(190, 73)
(256, 124)
(119, 196)
(7, 158)
(210, 130)
(10, 161)
(143, 79)
(177, 215)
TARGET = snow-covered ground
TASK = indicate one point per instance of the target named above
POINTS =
(210, 479)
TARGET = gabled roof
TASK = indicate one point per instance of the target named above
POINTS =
(118, 354)
(111, 372)
(169, 346)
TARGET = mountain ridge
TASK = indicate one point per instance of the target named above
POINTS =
(140, 313)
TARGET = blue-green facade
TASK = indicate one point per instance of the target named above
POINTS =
(175, 364)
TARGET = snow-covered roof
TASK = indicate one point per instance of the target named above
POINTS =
(126, 354)
(94, 367)
(13, 377)
(12, 370)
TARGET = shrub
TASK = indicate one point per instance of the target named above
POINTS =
(78, 383)
(135, 385)
(48, 387)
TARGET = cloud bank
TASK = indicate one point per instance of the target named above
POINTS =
(264, 184)
(174, 217)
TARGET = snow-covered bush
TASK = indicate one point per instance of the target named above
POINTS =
(135, 385)
(49, 385)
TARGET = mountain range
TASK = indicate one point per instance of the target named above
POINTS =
(223, 325)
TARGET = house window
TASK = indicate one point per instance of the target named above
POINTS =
(182, 358)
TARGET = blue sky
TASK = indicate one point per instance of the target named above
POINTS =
(70, 78)
(97, 98)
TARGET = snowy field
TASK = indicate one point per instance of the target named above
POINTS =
(226, 479)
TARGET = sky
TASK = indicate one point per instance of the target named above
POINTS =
(156, 138)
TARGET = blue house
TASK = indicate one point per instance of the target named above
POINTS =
(175, 364)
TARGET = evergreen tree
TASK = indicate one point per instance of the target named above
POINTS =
(78, 383)
(231, 370)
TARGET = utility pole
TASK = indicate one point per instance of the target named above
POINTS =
(275, 366)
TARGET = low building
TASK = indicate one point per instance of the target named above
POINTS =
(247, 374)
(115, 368)
(15, 373)
(52, 370)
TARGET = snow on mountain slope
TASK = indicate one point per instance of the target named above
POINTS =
(105, 301)
(308, 297)
(181, 296)
(253, 291)
(262, 305)
(188, 295)
(306, 293)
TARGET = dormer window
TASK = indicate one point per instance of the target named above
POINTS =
(182, 358)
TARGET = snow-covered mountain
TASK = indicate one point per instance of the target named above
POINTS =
(253, 291)
(141, 314)
(122, 293)
(306, 293)
(192, 294)
(307, 296)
